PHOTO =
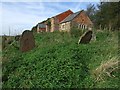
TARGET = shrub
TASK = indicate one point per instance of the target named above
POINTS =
(75, 32)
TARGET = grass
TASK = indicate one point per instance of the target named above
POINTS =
(58, 61)
(107, 68)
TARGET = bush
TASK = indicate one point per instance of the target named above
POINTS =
(75, 32)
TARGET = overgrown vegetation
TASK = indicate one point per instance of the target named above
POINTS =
(105, 16)
(76, 33)
(58, 61)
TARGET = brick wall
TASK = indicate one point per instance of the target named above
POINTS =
(55, 21)
(83, 19)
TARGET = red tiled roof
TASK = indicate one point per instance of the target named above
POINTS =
(63, 15)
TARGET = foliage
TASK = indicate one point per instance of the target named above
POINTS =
(105, 16)
(75, 32)
(58, 61)
(108, 12)
(91, 10)
(34, 29)
(48, 22)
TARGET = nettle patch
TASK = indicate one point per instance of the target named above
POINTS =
(60, 62)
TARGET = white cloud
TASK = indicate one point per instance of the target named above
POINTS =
(20, 19)
(17, 20)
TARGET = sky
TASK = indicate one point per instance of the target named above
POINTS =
(19, 16)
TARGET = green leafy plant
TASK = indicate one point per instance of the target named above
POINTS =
(58, 61)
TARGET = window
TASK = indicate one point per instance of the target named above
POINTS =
(63, 26)
(81, 25)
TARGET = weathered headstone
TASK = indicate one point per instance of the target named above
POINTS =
(86, 37)
(3, 41)
(9, 40)
(27, 41)
(17, 37)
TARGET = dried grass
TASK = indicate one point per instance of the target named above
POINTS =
(106, 68)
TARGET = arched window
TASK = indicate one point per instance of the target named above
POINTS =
(84, 26)
(63, 26)
(81, 26)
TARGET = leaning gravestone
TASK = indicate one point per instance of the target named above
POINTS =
(17, 37)
(85, 38)
(27, 41)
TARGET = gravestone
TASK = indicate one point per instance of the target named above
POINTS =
(9, 40)
(6, 41)
(3, 41)
(86, 37)
(27, 41)
(17, 37)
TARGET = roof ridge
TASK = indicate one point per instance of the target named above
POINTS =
(71, 18)
(62, 12)
(67, 17)
(79, 11)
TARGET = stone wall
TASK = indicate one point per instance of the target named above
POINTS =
(52, 24)
(48, 28)
(65, 26)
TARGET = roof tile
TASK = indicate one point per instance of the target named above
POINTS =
(71, 17)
